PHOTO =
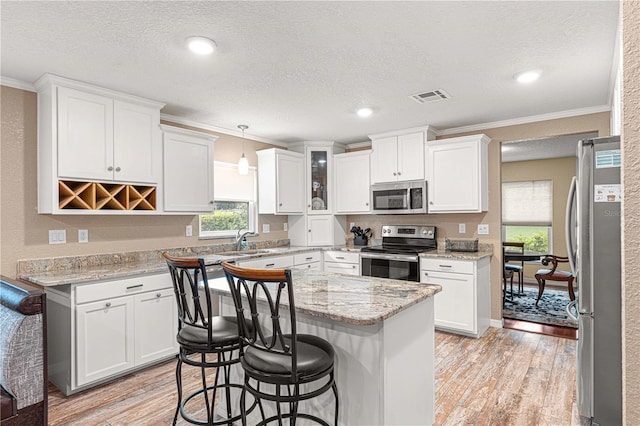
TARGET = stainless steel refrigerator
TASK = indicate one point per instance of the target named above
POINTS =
(593, 244)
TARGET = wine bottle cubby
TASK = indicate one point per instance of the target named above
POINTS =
(105, 196)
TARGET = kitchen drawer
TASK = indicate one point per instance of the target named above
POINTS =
(447, 265)
(110, 289)
(277, 262)
(342, 268)
(314, 266)
(313, 256)
(342, 257)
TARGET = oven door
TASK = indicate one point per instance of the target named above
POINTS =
(394, 266)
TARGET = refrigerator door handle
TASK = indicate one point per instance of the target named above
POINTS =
(569, 214)
(570, 305)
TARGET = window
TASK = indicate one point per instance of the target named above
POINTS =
(527, 212)
(234, 202)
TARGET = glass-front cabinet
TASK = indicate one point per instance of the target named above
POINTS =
(318, 190)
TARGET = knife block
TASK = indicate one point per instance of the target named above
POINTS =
(360, 240)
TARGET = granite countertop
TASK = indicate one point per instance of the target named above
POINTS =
(350, 299)
(82, 269)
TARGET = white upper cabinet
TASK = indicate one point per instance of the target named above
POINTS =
(85, 135)
(352, 184)
(106, 139)
(98, 150)
(399, 156)
(281, 188)
(188, 170)
(457, 174)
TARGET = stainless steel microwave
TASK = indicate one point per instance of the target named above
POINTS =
(399, 198)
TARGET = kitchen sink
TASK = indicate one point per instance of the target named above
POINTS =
(243, 252)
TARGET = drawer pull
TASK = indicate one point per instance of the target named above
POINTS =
(108, 304)
(445, 266)
(269, 265)
(353, 266)
(309, 258)
(158, 294)
(134, 286)
(340, 257)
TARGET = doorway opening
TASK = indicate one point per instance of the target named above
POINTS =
(536, 176)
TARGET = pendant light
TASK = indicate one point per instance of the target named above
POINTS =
(243, 163)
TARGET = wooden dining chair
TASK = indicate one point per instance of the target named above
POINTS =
(515, 247)
(554, 274)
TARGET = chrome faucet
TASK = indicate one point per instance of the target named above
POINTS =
(241, 235)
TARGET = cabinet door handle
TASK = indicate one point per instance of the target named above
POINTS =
(399, 173)
(366, 204)
(426, 274)
(353, 266)
(280, 204)
(394, 173)
(108, 304)
(211, 202)
(309, 230)
(134, 286)
(109, 169)
(309, 206)
(158, 294)
(118, 169)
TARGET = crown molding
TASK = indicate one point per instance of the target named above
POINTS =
(526, 120)
(204, 126)
(17, 84)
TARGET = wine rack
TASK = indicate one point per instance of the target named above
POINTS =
(105, 196)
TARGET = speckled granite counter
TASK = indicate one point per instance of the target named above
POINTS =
(350, 299)
(80, 269)
(485, 250)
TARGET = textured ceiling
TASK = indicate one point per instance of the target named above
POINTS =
(297, 70)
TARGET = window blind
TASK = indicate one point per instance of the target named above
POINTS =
(229, 185)
(527, 203)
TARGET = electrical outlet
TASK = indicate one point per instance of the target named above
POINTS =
(83, 235)
(188, 231)
(266, 228)
(483, 229)
(57, 236)
(462, 228)
(285, 226)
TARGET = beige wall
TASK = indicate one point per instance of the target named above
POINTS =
(631, 212)
(559, 171)
(24, 233)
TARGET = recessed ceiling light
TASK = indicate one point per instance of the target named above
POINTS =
(527, 76)
(364, 112)
(200, 45)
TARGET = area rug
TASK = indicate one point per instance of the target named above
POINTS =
(550, 309)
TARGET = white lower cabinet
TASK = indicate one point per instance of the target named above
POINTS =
(104, 339)
(464, 304)
(342, 262)
(99, 331)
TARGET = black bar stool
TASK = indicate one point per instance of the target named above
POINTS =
(201, 333)
(289, 362)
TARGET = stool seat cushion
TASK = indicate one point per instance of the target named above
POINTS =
(315, 356)
(557, 273)
(224, 331)
(512, 267)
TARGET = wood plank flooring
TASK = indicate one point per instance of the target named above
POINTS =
(507, 377)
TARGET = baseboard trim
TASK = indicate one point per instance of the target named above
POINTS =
(496, 323)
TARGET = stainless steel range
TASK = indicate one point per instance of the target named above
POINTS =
(397, 257)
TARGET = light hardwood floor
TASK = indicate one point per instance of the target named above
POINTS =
(507, 377)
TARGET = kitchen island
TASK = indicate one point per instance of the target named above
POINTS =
(383, 334)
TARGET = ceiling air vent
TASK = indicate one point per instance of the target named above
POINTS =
(434, 95)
